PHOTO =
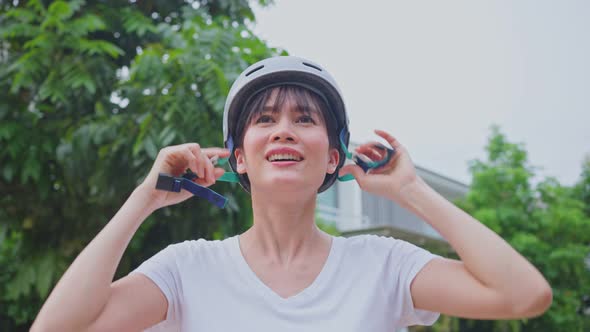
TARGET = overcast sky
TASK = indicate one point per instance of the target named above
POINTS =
(437, 74)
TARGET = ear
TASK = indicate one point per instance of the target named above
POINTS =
(240, 161)
(334, 156)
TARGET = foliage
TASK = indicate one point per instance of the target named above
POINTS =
(327, 226)
(582, 188)
(89, 92)
(547, 223)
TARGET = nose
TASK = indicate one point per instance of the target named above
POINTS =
(284, 131)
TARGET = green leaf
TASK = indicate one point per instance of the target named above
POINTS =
(167, 135)
(97, 47)
(134, 22)
(85, 24)
(46, 268)
(150, 147)
(23, 282)
(37, 5)
(8, 130)
(61, 10)
(8, 172)
(31, 169)
(23, 15)
(144, 124)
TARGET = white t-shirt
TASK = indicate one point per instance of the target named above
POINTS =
(363, 286)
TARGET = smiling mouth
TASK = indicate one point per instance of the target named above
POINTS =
(281, 157)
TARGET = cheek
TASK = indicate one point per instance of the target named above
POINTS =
(320, 143)
(321, 136)
(253, 141)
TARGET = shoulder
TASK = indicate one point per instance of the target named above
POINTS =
(365, 248)
(383, 247)
(191, 248)
(372, 242)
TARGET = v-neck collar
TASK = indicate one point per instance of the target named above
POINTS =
(266, 291)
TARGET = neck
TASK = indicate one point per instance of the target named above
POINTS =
(284, 229)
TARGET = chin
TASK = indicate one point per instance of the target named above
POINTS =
(291, 185)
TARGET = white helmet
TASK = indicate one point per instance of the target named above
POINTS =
(284, 70)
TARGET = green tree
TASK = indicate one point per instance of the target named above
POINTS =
(89, 92)
(582, 188)
(327, 226)
(547, 223)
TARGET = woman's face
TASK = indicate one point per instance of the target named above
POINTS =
(286, 149)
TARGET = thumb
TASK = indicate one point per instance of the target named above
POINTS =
(218, 172)
(355, 170)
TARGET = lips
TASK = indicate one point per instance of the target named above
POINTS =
(283, 154)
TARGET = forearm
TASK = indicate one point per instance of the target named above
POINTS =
(485, 255)
(84, 289)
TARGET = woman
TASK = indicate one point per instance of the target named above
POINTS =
(286, 130)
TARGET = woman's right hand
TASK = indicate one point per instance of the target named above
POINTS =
(174, 160)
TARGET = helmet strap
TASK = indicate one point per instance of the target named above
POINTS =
(167, 182)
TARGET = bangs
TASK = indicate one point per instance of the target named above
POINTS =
(306, 102)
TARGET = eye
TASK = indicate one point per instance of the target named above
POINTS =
(264, 119)
(306, 119)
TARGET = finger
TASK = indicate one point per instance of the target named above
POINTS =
(192, 161)
(375, 155)
(371, 152)
(191, 146)
(209, 175)
(218, 172)
(200, 162)
(178, 159)
(187, 151)
(374, 145)
(370, 144)
(390, 139)
(355, 170)
(220, 152)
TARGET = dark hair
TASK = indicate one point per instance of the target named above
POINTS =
(305, 99)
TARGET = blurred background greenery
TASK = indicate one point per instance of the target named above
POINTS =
(91, 90)
(545, 221)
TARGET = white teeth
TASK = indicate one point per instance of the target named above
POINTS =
(283, 156)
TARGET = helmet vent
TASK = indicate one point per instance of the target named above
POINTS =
(312, 66)
(253, 70)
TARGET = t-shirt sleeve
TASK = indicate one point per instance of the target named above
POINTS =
(163, 270)
(405, 260)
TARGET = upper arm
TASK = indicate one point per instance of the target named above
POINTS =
(136, 303)
(446, 286)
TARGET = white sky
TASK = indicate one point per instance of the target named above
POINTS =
(437, 74)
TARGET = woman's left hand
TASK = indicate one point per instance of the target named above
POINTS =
(389, 180)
